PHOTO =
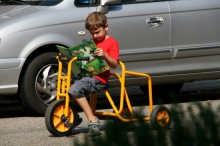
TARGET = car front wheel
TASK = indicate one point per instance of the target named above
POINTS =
(39, 83)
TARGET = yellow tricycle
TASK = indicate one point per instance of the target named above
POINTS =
(61, 117)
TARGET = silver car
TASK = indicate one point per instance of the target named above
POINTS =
(175, 41)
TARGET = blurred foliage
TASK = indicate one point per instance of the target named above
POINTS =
(196, 125)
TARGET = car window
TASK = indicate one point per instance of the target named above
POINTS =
(81, 3)
(31, 2)
(138, 1)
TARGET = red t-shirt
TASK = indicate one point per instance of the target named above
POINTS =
(111, 47)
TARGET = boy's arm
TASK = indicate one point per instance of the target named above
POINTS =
(111, 62)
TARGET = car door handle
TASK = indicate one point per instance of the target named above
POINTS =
(81, 33)
(155, 22)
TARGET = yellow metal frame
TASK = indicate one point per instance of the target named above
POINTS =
(64, 85)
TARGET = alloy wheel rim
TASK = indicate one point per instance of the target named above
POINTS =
(46, 83)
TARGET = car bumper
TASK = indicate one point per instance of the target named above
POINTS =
(10, 70)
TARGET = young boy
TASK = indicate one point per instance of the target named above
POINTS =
(96, 24)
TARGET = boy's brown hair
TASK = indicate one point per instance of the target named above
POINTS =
(95, 20)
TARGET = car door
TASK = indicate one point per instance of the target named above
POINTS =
(195, 36)
(142, 28)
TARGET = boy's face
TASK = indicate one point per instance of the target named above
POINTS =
(99, 34)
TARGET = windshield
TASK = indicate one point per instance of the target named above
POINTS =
(31, 2)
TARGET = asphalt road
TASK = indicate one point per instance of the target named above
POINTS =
(17, 128)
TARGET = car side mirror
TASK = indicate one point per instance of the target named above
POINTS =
(103, 7)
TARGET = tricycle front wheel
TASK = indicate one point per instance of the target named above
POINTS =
(55, 120)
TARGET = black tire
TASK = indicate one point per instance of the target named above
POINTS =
(37, 89)
(53, 116)
(164, 90)
(160, 118)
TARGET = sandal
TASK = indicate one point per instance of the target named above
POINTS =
(94, 127)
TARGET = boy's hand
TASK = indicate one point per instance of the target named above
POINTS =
(111, 62)
(100, 52)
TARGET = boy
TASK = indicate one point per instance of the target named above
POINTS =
(96, 24)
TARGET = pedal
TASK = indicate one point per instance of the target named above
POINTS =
(68, 124)
(146, 115)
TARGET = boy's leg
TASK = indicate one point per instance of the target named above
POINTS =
(78, 90)
(94, 124)
(83, 103)
(86, 85)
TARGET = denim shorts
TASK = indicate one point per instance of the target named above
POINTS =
(85, 86)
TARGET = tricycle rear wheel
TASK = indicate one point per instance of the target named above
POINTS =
(160, 118)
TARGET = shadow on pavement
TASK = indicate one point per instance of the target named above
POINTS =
(12, 108)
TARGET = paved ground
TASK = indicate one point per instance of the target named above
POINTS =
(18, 129)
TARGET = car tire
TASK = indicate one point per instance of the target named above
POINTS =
(38, 85)
(163, 91)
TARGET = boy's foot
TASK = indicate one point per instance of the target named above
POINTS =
(94, 127)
